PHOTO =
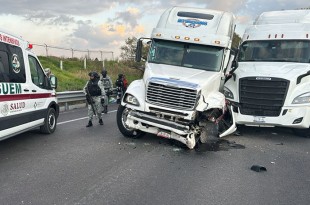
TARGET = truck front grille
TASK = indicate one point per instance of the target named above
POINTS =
(171, 97)
(262, 97)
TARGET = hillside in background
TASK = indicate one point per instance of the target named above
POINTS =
(74, 76)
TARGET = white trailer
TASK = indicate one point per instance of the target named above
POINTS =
(271, 85)
(179, 96)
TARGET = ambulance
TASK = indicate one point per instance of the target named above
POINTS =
(27, 96)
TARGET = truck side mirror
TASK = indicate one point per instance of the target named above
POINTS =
(230, 65)
(53, 81)
(234, 64)
(139, 51)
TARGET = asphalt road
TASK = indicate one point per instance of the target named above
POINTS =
(97, 165)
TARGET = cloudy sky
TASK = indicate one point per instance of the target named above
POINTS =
(104, 25)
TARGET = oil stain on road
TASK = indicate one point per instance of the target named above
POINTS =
(219, 145)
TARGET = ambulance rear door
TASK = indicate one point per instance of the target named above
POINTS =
(15, 110)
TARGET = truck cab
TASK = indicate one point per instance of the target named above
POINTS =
(179, 96)
(27, 96)
(271, 86)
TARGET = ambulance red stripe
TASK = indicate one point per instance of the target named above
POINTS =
(24, 96)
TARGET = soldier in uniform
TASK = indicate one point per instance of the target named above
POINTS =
(120, 88)
(95, 92)
(107, 83)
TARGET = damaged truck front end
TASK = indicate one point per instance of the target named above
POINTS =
(174, 110)
(180, 96)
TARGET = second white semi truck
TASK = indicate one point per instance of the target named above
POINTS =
(179, 96)
(271, 85)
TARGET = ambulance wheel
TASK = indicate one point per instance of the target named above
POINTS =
(49, 122)
(121, 117)
(302, 132)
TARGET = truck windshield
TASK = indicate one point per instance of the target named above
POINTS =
(275, 51)
(186, 55)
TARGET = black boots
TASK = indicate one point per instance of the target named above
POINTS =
(100, 122)
(89, 124)
(105, 109)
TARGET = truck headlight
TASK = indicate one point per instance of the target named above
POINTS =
(301, 99)
(130, 99)
(228, 93)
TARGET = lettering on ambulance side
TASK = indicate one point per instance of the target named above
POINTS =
(7, 39)
(7, 108)
(10, 88)
(11, 107)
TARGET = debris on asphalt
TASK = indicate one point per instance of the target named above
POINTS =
(177, 149)
(237, 133)
(258, 168)
(280, 143)
(131, 144)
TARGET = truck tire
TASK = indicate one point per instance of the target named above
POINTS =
(50, 122)
(302, 132)
(121, 115)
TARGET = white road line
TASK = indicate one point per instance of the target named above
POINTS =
(82, 118)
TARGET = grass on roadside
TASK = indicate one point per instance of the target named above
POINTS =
(74, 76)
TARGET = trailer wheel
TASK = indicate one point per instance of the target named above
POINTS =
(121, 117)
(50, 122)
(302, 132)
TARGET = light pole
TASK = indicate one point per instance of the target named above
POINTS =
(46, 50)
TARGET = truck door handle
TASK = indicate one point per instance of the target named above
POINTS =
(34, 91)
(26, 90)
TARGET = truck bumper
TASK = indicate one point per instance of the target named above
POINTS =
(161, 127)
(294, 117)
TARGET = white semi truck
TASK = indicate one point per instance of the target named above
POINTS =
(271, 85)
(179, 96)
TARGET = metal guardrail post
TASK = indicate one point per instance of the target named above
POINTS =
(66, 106)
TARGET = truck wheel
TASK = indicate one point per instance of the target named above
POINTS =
(121, 117)
(49, 122)
(302, 132)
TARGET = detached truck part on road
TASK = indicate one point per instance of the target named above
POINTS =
(179, 96)
(271, 86)
(27, 97)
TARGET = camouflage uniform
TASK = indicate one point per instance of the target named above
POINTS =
(97, 93)
(107, 83)
(120, 88)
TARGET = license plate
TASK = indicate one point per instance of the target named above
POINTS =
(259, 119)
(163, 134)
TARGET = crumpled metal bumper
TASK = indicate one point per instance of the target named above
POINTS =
(161, 127)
